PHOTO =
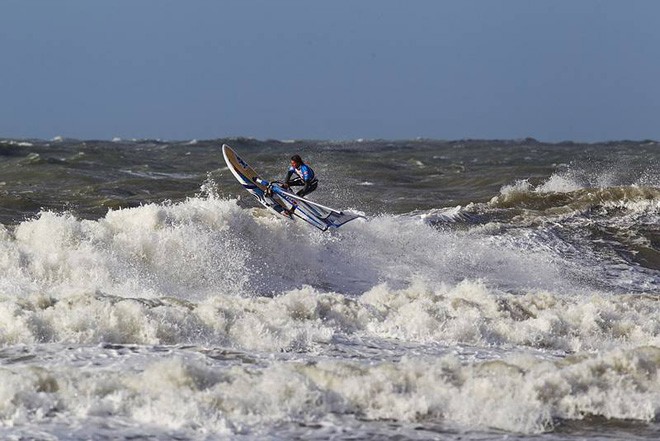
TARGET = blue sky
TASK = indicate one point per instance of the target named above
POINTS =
(555, 70)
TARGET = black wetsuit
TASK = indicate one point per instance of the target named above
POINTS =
(304, 177)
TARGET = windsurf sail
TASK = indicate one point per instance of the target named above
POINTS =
(281, 202)
(320, 216)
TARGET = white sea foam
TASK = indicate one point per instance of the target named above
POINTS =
(130, 322)
(21, 143)
(195, 272)
(521, 186)
(207, 392)
(555, 184)
(569, 180)
(559, 184)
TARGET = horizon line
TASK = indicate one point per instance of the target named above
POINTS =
(192, 141)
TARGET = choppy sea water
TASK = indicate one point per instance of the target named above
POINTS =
(496, 290)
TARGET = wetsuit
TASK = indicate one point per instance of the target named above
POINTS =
(304, 177)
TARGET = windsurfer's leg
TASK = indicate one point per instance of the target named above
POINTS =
(308, 189)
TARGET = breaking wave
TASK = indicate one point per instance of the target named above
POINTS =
(204, 318)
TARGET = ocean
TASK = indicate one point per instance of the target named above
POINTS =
(495, 290)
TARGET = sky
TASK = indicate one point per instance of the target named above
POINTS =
(557, 70)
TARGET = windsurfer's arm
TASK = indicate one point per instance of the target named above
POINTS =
(287, 180)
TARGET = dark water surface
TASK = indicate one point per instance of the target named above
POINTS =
(88, 177)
